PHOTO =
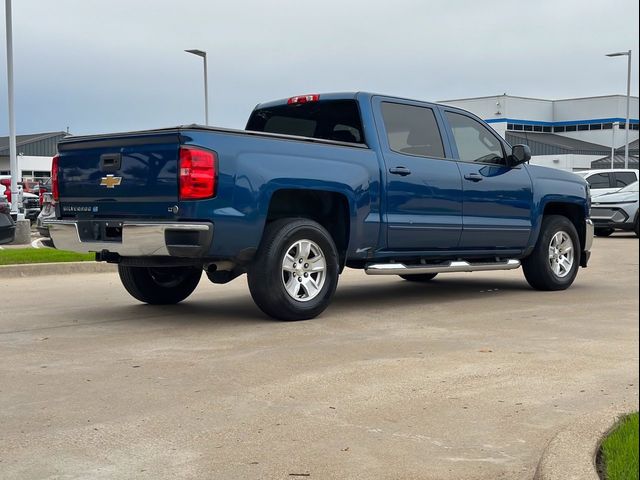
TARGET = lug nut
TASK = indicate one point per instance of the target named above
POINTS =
(300, 260)
(306, 275)
(299, 279)
(306, 265)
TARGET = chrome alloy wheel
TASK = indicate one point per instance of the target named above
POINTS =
(304, 270)
(561, 254)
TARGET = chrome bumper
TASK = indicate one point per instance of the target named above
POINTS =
(588, 235)
(138, 239)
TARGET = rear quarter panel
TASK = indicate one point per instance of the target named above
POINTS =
(252, 168)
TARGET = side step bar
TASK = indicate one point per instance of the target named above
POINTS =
(454, 266)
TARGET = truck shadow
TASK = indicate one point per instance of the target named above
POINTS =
(239, 309)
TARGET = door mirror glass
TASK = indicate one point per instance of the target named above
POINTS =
(520, 154)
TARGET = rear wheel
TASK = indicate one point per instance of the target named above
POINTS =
(295, 272)
(160, 285)
(554, 262)
(603, 232)
(420, 277)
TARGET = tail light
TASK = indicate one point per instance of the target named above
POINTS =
(303, 99)
(54, 177)
(197, 173)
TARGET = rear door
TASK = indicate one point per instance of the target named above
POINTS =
(423, 187)
(124, 177)
(497, 198)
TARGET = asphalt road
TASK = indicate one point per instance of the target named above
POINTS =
(468, 377)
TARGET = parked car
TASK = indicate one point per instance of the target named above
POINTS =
(616, 211)
(317, 183)
(7, 225)
(607, 181)
(48, 212)
(31, 206)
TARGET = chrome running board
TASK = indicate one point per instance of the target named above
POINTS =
(454, 266)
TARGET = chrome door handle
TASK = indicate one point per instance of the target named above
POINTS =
(474, 177)
(402, 171)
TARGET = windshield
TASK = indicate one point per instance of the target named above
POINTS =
(337, 120)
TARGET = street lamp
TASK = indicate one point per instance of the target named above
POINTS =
(203, 54)
(13, 159)
(626, 129)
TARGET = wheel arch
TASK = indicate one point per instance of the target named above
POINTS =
(330, 209)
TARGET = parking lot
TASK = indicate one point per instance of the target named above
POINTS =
(468, 377)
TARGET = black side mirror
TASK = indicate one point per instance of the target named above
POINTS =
(520, 154)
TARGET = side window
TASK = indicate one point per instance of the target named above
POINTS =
(624, 178)
(599, 180)
(475, 142)
(412, 130)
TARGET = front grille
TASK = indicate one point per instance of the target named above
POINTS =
(31, 203)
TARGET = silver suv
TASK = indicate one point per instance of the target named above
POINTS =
(616, 211)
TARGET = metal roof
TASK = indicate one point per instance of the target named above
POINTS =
(618, 162)
(551, 144)
(36, 144)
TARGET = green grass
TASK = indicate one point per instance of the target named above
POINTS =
(620, 450)
(14, 256)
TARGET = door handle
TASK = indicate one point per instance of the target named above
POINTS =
(402, 171)
(474, 177)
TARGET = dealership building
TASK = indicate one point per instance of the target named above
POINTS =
(571, 134)
(34, 154)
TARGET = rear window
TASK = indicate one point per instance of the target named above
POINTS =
(337, 120)
(599, 180)
(624, 178)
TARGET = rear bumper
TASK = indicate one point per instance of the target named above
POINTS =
(138, 239)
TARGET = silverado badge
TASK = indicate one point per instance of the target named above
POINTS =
(110, 181)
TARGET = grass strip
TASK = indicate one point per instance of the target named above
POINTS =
(19, 256)
(620, 450)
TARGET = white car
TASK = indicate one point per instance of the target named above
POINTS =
(608, 181)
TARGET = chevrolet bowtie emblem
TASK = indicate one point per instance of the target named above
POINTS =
(110, 181)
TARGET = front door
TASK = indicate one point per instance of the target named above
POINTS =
(423, 187)
(497, 198)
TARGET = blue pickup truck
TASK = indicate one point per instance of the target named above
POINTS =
(314, 184)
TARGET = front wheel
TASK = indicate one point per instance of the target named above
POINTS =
(554, 262)
(160, 285)
(295, 272)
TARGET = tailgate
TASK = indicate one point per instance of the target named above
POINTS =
(127, 176)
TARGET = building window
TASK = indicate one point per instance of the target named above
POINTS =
(537, 128)
(570, 128)
(607, 126)
(558, 129)
(546, 129)
(518, 127)
(528, 128)
(622, 126)
(634, 126)
(582, 128)
(595, 126)
(509, 126)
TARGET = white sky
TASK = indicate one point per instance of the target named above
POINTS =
(113, 65)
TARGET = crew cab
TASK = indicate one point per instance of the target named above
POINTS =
(314, 184)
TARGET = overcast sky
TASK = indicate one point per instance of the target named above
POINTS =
(113, 65)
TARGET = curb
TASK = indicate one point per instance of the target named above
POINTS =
(571, 454)
(60, 268)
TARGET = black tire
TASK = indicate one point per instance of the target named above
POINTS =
(266, 276)
(160, 285)
(603, 232)
(420, 277)
(537, 268)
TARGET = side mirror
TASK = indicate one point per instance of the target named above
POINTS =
(520, 154)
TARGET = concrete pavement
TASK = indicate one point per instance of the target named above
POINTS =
(468, 377)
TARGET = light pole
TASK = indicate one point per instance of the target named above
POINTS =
(613, 141)
(13, 159)
(626, 126)
(203, 54)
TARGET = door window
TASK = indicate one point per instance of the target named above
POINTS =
(624, 178)
(599, 180)
(412, 130)
(475, 142)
